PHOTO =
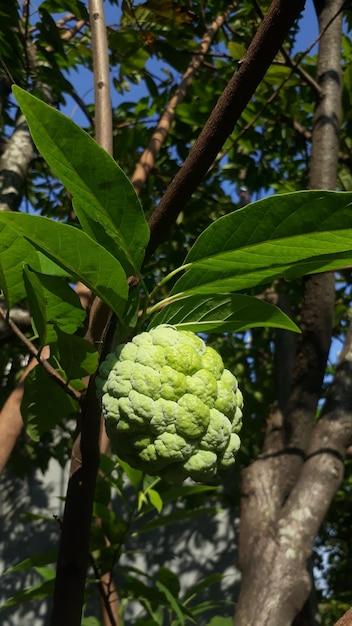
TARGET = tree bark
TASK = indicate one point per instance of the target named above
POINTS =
(14, 164)
(287, 491)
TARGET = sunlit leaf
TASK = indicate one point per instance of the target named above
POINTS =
(103, 197)
(265, 239)
(220, 313)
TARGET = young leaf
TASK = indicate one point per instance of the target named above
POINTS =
(52, 302)
(77, 356)
(73, 250)
(44, 404)
(265, 239)
(14, 253)
(103, 197)
(222, 313)
(155, 499)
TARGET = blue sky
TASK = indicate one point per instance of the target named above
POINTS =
(83, 80)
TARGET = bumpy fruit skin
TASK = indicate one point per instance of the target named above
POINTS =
(171, 408)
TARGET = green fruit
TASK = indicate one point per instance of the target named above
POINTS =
(170, 406)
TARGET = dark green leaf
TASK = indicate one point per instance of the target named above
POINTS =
(170, 580)
(206, 582)
(174, 605)
(70, 248)
(15, 252)
(265, 239)
(36, 560)
(221, 621)
(36, 592)
(77, 356)
(103, 197)
(174, 517)
(224, 312)
(44, 404)
(77, 7)
(52, 302)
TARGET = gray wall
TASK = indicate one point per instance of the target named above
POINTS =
(191, 549)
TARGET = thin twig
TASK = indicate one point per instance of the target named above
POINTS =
(43, 362)
(82, 105)
(147, 160)
(103, 115)
(274, 95)
(228, 109)
(69, 33)
(104, 596)
(307, 78)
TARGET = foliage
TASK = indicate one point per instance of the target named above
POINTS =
(266, 244)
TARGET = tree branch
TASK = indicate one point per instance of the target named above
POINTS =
(14, 164)
(147, 160)
(302, 464)
(307, 78)
(30, 347)
(73, 557)
(103, 115)
(241, 87)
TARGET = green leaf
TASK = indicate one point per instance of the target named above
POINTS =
(44, 404)
(204, 583)
(170, 580)
(90, 621)
(265, 239)
(52, 302)
(36, 592)
(155, 499)
(134, 475)
(71, 6)
(77, 356)
(224, 312)
(14, 253)
(36, 560)
(174, 517)
(73, 250)
(172, 602)
(103, 197)
(221, 621)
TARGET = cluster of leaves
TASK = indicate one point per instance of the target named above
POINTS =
(267, 240)
(262, 154)
(145, 506)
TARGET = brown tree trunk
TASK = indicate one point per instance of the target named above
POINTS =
(287, 491)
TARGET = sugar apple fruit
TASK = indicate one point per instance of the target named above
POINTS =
(170, 407)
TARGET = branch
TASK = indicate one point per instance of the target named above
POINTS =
(301, 467)
(11, 422)
(319, 292)
(346, 619)
(307, 78)
(323, 470)
(20, 316)
(241, 87)
(68, 34)
(147, 160)
(103, 115)
(277, 91)
(50, 370)
(73, 556)
(103, 594)
(14, 164)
